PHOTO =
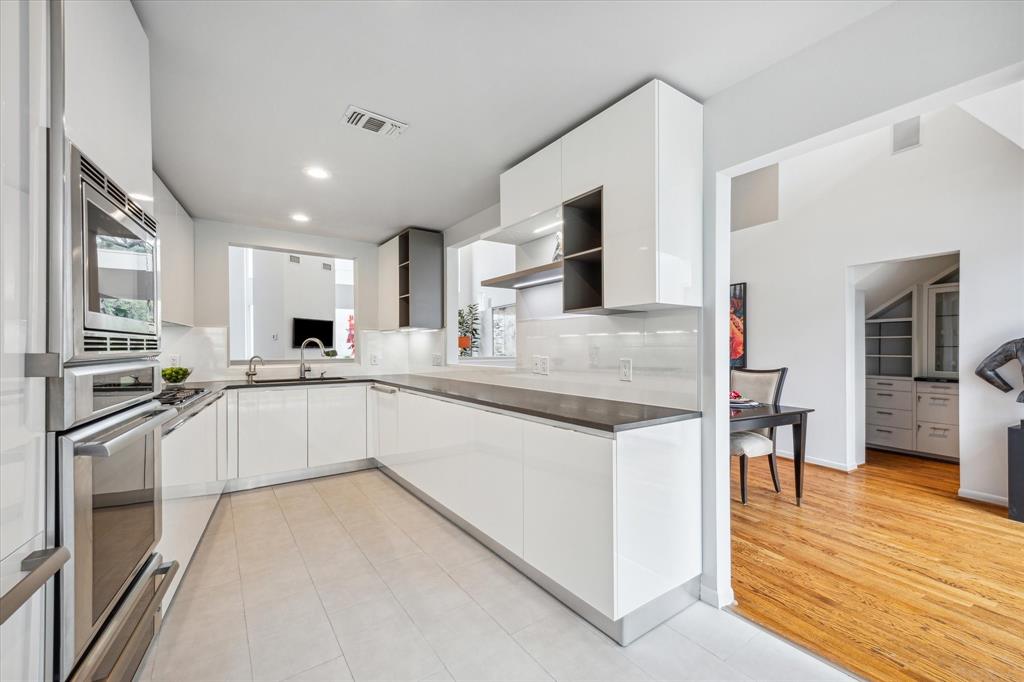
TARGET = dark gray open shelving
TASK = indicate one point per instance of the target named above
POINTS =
(583, 281)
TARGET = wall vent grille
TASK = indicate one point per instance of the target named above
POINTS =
(378, 124)
(906, 135)
(113, 343)
(326, 266)
(294, 259)
(116, 195)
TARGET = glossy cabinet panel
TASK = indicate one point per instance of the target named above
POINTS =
(177, 257)
(387, 285)
(337, 424)
(532, 186)
(189, 455)
(569, 515)
(657, 511)
(386, 412)
(469, 460)
(22, 637)
(271, 431)
(107, 107)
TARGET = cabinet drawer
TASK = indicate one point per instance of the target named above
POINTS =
(938, 439)
(891, 437)
(939, 409)
(897, 400)
(886, 384)
(880, 416)
(938, 388)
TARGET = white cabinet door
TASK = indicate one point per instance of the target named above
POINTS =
(387, 288)
(177, 257)
(645, 151)
(271, 431)
(107, 103)
(568, 505)
(337, 424)
(386, 407)
(532, 186)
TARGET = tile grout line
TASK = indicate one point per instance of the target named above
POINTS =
(511, 635)
(241, 589)
(305, 565)
(379, 576)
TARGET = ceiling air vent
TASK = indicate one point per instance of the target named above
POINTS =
(374, 123)
(906, 134)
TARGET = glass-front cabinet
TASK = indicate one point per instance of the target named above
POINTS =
(944, 330)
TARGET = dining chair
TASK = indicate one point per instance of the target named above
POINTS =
(764, 386)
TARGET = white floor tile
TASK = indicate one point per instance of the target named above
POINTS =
(720, 632)
(664, 654)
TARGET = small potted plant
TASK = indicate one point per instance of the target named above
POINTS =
(469, 329)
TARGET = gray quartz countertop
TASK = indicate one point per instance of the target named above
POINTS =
(592, 413)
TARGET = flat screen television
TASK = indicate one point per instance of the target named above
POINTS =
(304, 328)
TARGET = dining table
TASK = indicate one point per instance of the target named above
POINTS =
(773, 416)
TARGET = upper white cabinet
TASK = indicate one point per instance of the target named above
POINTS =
(532, 186)
(645, 153)
(271, 431)
(637, 243)
(387, 287)
(107, 105)
(176, 230)
(336, 424)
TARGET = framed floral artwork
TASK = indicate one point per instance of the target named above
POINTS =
(738, 325)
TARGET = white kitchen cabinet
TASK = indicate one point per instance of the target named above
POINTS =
(189, 485)
(271, 431)
(107, 101)
(645, 152)
(532, 186)
(337, 424)
(387, 286)
(385, 400)
(569, 516)
(176, 230)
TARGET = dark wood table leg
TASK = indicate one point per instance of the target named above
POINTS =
(799, 444)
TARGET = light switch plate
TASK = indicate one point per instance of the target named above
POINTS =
(374, 359)
(625, 369)
(436, 359)
(175, 360)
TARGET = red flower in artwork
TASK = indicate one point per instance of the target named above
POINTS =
(735, 336)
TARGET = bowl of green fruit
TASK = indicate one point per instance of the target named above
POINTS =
(175, 375)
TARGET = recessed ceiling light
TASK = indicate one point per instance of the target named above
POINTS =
(300, 217)
(317, 172)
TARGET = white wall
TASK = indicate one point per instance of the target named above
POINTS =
(855, 203)
(908, 58)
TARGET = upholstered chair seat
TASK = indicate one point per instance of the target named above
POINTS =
(750, 444)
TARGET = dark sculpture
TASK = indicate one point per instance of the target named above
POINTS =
(999, 357)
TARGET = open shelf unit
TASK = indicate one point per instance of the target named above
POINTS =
(889, 339)
(548, 273)
(583, 285)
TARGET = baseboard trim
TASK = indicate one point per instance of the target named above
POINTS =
(719, 600)
(827, 463)
(979, 496)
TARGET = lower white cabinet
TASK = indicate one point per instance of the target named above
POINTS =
(469, 460)
(336, 418)
(385, 399)
(271, 431)
(568, 511)
(190, 485)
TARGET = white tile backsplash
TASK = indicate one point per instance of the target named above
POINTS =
(205, 350)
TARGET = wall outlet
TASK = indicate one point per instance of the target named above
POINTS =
(625, 369)
(594, 353)
(374, 358)
(541, 364)
(175, 360)
(436, 360)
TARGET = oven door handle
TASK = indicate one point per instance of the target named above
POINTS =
(109, 442)
(86, 670)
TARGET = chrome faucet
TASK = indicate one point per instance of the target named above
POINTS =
(250, 374)
(304, 369)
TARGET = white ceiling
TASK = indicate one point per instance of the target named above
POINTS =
(245, 94)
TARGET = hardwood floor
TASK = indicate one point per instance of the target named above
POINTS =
(883, 570)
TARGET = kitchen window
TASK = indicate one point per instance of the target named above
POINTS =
(276, 297)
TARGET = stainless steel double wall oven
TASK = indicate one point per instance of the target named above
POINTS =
(104, 426)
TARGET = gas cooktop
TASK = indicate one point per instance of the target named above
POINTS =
(177, 397)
